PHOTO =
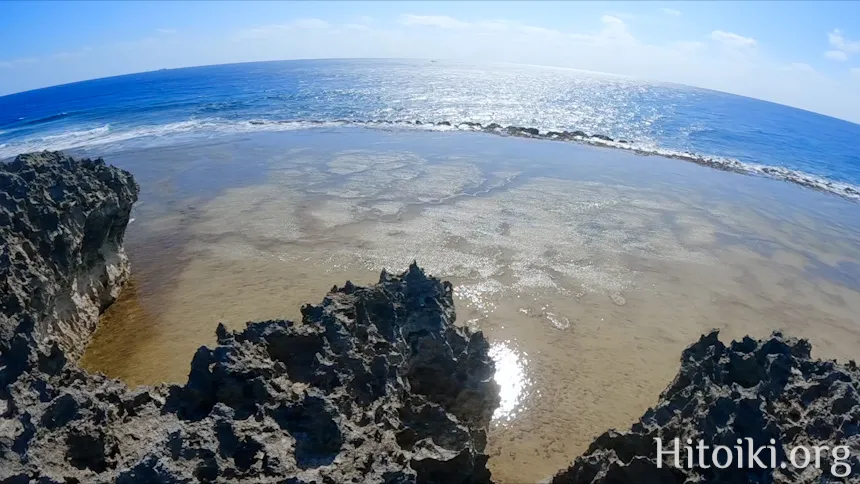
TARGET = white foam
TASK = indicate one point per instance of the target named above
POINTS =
(106, 135)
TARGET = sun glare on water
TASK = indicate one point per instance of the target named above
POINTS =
(511, 377)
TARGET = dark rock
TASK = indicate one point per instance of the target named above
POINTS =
(520, 131)
(62, 222)
(376, 385)
(758, 390)
(444, 123)
(602, 137)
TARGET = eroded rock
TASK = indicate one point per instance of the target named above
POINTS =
(376, 384)
(62, 223)
(758, 390)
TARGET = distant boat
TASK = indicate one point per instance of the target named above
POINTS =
(432, 61)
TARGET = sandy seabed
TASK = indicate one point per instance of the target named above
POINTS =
(589, 269)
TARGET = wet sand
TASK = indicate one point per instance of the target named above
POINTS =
(588, 269)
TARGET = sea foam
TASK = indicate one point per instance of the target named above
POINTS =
(171, 132)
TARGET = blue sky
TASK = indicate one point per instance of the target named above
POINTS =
(804, 54)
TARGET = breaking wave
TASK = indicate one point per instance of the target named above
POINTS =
(104, 135)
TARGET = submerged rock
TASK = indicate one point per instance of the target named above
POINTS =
(757, 390)
(376, 384)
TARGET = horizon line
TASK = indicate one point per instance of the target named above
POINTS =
(459, 61)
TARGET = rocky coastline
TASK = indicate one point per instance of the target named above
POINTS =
(375, 384)
(770, 391)
(843, 190)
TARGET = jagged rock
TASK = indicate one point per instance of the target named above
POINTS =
(602, 137)
(376, 384)
(62, 223)
(758, 390)
(520, 131)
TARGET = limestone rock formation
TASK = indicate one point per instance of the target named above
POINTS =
(376, 384)
(62, 223)
(758, 390)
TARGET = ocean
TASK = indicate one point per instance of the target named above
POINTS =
(723, 130)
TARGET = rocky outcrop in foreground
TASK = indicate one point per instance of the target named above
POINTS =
(376, 384)
(62, 224)
(758, 390)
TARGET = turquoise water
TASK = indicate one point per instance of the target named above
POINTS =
(732, 132)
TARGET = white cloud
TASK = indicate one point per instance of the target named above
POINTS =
(310, 23)
(166, 31)
(838, 41)
(732, 40)
(836, 55)
(843, 47)
(671, 12)
(493, 25)
(613, 33)
(440, 21)
(532, 30)
(613, 21)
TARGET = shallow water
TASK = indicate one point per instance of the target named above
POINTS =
(588, 269)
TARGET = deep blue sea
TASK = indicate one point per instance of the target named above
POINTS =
(748, 135)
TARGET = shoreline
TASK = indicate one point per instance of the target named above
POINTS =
(846, 191)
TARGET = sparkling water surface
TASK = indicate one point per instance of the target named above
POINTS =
(289, 95)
